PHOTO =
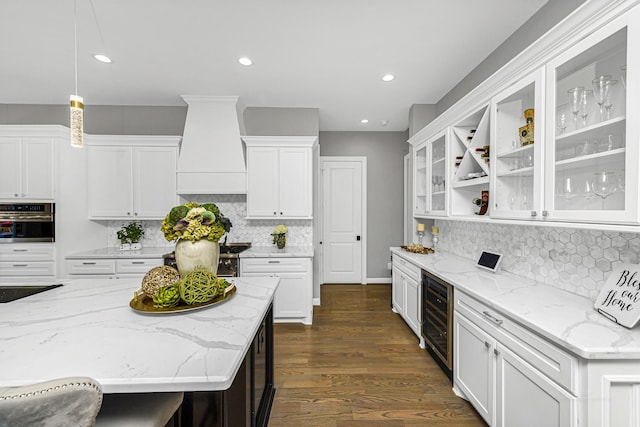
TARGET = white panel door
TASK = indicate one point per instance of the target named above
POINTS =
(110, 182)
(262, 182)
(10, 172)
(295, 182)
(154, 181)
(37, 173)
(342, 221)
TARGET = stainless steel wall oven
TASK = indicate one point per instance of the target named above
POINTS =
(27, 222)
(437, 320)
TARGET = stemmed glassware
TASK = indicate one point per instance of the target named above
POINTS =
(604, 184)
(600, 91)
(607, 98)
(575, 95)
(585, 107)
(438, 181)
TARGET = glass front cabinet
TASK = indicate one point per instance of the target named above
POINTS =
(554, 145)
(592, 172)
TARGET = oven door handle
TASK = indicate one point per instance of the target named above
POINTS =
(26, 218)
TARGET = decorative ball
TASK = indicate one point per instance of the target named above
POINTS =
(159, 277)
(199, 286)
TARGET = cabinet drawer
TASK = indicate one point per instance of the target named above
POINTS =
(549, 359)
(274, 265)
(407, 267)
(24, 268)
(91, 266)
(139, 266)
(17, 252)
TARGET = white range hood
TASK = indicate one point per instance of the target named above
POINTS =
(211, 155)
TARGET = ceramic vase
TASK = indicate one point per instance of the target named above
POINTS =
(200, 254)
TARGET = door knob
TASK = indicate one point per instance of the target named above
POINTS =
(358, 238)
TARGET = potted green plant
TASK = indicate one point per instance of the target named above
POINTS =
(130, 235)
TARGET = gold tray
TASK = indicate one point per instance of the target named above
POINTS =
(144, 303)
(424, 250)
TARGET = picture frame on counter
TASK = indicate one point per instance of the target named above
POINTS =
(619, 299)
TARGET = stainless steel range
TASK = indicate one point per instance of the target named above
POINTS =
(229, 263)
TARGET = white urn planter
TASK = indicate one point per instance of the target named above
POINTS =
(200, 254)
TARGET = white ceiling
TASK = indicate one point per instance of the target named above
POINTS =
(326, 54)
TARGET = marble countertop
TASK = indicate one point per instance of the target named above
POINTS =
(117, 253)
(86, 327)
(274, 252)
(564, 318)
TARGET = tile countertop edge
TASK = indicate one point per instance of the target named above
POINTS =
(274, 252)
(569, 320)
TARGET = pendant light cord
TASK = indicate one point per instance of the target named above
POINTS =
(75, 43)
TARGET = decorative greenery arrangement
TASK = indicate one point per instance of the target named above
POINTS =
(199, 286)
(280, 235)
(193, 222)
(130, 233)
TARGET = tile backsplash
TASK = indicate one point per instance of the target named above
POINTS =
(234, 207)
(576, 260)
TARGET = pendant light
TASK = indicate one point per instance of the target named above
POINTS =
(76, 109)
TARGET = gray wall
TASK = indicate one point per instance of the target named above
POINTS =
(266, 121)
(542, 21)
(101, 120)
(385, 155)
(420, 115)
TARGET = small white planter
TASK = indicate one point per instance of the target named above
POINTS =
(136, 246)
(125, 247)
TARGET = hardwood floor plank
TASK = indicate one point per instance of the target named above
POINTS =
(360, 365)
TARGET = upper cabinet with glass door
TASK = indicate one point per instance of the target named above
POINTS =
(438, 172)
(517, 123)
(420, 180)
(592, 152)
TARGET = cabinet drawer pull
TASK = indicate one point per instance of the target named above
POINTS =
(20, 265)
(88, 263)
(274, 262)
(486, 344)
(20, 250)
(137, 262)
(492, 318)
(496, 351)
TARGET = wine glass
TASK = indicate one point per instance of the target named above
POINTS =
(604, 184)
(434, 181)
(623, 76)
(568, 189)
(607, 98)
(575, 94)
(585, 107)
(600, 91)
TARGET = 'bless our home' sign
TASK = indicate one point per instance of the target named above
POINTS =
(619, 299)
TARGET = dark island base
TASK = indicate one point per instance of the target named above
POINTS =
(247, 403)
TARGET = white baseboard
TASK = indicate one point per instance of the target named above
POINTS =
(316, 301)
(379, 280)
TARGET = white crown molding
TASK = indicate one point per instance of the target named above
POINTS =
(585, 20)
(35, 130)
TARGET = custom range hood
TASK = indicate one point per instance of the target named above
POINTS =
(211, 155)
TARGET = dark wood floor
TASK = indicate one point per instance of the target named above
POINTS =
(360, 365)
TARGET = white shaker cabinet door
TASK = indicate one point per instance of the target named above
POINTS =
(262, 182)
(412, 304)
(37, 169)
(11, 171)
(295, 182)
(110, 182)
(154, 181)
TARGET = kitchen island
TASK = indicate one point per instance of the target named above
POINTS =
(86, 328)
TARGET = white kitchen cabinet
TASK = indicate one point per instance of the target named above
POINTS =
(510, 375)
(112, 268)
(28, 167)
(279, 177)
(293, 299)
(131, 177)
(406, 292)
(27, 262)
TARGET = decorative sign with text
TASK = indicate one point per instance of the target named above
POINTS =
(619, 299)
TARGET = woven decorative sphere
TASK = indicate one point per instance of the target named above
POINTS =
(159, 277)
(199, 286)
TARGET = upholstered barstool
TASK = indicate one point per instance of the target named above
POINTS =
(63, 402)
(138, 409)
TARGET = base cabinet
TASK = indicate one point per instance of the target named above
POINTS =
(405, 292)
(491, 371)
(102, 268)
(27, 262)
(293, 300)
(247, 403)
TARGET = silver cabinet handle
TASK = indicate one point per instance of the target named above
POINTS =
(534, 213)
(496, 351)
(545, 213)
(20, 250)
(137, 262)
(486, 344)
(274, 262)
(20, 265)
(88, 263)
(15, 194)
(492, 318)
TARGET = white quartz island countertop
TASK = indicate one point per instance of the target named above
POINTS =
(86, 328)
(564, 318)
(274, 252)
(117, 253)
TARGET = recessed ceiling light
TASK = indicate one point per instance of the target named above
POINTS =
(364, 121)
(245, 61)
(103, 58)
(388, 77)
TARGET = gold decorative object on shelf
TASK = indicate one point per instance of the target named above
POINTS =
(526, 131)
